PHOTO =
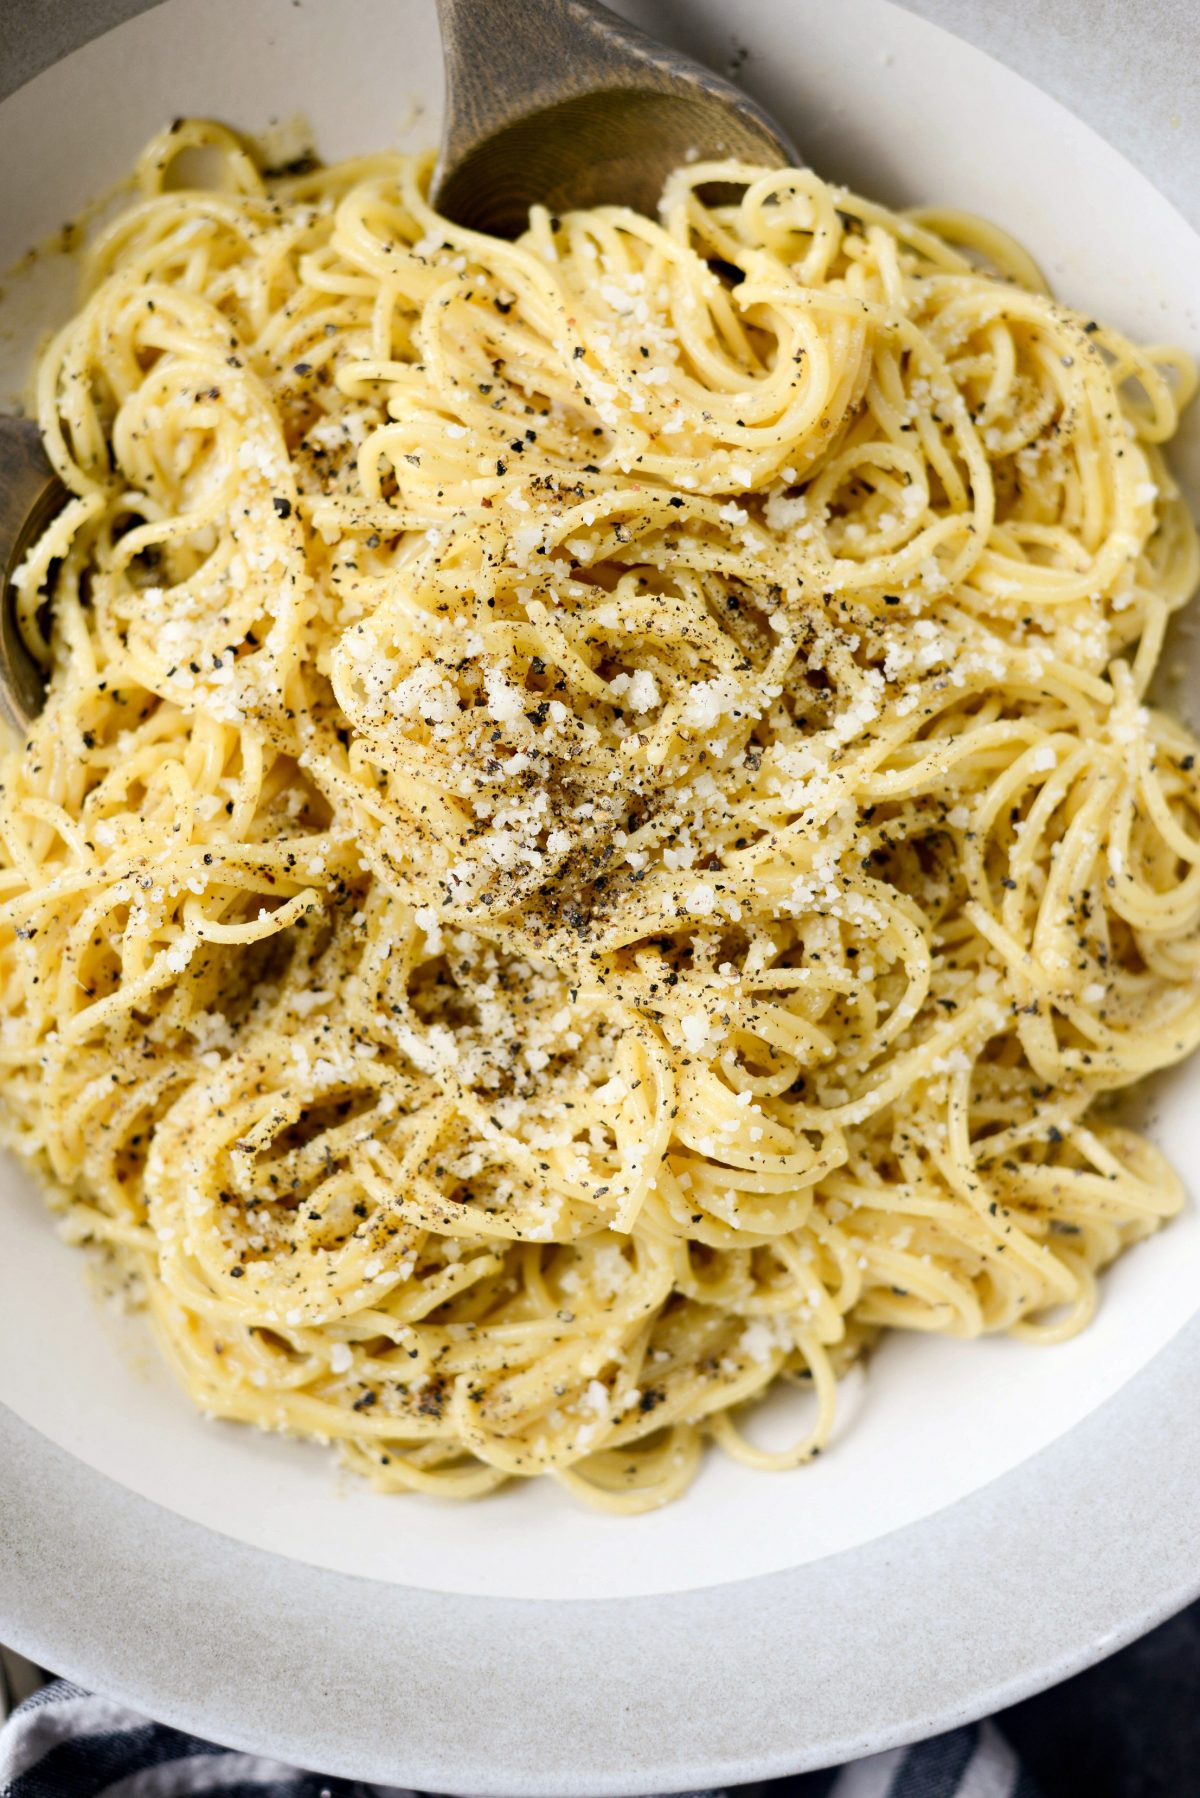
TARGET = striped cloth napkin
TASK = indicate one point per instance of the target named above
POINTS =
(67, 1743)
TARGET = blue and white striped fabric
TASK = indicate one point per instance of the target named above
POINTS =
(66, 1743)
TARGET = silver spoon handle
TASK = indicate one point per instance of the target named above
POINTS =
(563, 101)
(509, 57)
(30, 495)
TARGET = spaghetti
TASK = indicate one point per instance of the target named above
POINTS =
(597, 831)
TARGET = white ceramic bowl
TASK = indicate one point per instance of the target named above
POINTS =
(993, 1515)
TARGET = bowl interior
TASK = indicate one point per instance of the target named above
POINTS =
(917, 116)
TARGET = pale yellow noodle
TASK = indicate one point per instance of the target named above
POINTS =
(597, 832)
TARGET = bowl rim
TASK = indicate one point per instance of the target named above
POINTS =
(1088, 1543)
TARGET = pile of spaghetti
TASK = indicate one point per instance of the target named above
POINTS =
(597, 831)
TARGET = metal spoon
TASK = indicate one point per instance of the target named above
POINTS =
(30, 495)
(553, 101)
(563, 103)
